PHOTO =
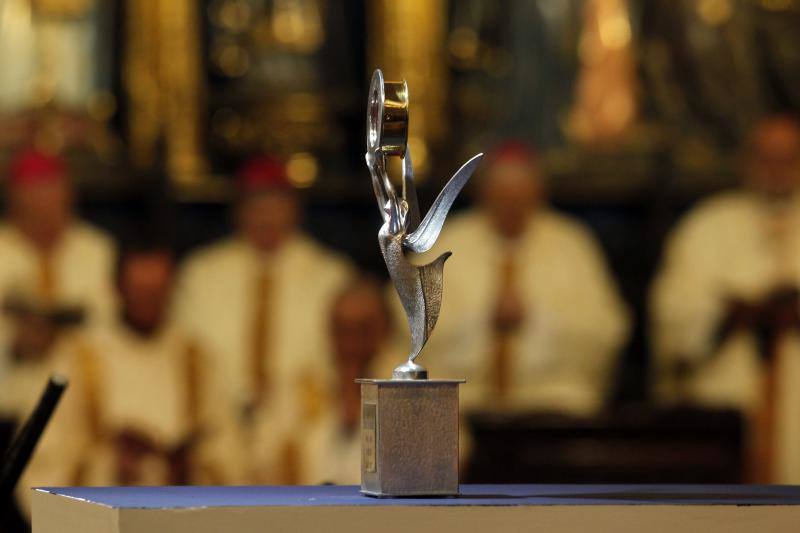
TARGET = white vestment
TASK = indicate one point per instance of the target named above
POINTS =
(562, 354)
(216, 303)
(160, 387)
(81, 266)
(727, 248)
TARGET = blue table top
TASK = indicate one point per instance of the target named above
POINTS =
(471, 495)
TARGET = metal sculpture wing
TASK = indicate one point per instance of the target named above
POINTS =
(424, 236)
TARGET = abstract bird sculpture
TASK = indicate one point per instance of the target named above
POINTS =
(419, 287)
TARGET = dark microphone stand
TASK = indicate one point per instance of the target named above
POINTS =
(23, 446)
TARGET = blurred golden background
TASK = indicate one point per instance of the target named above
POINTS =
(626, 254)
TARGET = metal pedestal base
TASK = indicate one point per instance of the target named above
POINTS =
(409, 437)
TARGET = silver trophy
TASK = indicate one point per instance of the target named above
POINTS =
(409, 423)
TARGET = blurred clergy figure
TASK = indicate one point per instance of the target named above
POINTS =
(55, 272)
(359, 327)
(530, 313)
(259, 302)
(726, 304)
(140, 409)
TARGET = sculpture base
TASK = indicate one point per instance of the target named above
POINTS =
(409, 437)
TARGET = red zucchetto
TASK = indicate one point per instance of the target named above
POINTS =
(263, 173)
(512, 151)
(31, 167)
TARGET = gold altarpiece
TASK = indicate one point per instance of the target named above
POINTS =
(162, 77)
(406, 40)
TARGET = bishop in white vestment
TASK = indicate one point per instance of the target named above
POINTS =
(55, 275)
(530, 316)
(258, 301)
(725, 306)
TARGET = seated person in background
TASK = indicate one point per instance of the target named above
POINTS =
(725, 306)
(55, 272)
(359, 328)
(259, 302)
(139, 410)
(530, 314)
